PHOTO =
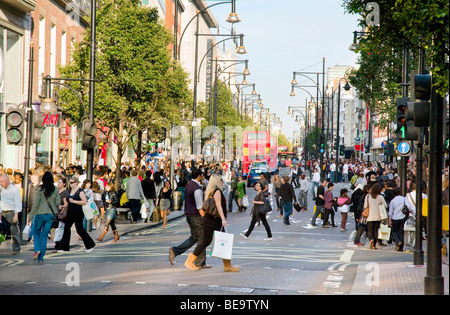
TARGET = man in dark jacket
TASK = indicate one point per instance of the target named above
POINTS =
(287, 195)
(193, 203)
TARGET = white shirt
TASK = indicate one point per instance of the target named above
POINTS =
(333, 167)
(345, 169)
(10, 199)
(316, 177)
(304, 184)
(395, 208)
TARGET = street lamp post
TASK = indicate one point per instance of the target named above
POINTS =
(346, 87)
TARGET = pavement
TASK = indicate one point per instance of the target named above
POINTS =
(386, 278)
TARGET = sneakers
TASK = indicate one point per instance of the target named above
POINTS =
(268, 239)
(90, 249)
(36, 255)
(243, 236)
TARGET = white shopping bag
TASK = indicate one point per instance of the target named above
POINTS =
(222, 245)
(90, 209)
(144, 210)
(59, 232)
(26, 232)
(384, 232)
(245, 202)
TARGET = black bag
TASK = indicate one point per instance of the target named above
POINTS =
(265, 208)
(297, 207)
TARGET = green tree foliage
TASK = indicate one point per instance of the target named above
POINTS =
(137, 83)
(403, 23)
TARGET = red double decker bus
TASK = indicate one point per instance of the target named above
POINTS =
(256, 148)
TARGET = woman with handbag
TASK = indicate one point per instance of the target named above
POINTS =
(212, 223)
(258, 213)
(77, 198)
(45, 206)
(163, 201)
(375, 204)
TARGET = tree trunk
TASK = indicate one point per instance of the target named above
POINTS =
(119, 156)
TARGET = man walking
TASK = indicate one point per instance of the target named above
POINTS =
(10, 207)
(135, 194)
(320, 201)
(193, 202)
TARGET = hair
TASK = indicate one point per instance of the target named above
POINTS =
(366, 188)
(134, 172)
(111, 186)
(213, 184)
(396, 191)
(330, 185)
(48, 184)
(148, 174)
(85, 182)
(286, 179)
(375, 190)
(343, 191)
(75, 179)
(196, 173)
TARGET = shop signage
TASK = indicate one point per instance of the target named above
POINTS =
(52, 120)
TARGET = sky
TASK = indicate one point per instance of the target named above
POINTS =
(290, 35)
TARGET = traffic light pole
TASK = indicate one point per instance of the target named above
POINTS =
(90, 152)
(28, 142)
(404, 159)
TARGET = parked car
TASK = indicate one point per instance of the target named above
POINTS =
(254, 176)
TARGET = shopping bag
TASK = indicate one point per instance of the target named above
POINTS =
(222, 245)
(26, 232)
(383, 213)
(59, 232)
(156, 217)
(384, 232)
(245, 202)
(123, 199)
(90, 209)
(144, 210)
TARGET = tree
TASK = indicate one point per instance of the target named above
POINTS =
(137, 83)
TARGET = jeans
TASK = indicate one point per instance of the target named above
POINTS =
(303, 199)
(287, 211)
(231, 197)
(135, 207)
(316, 214)
(398, 230)
(196, 236)
(42, 226)
(314, 186)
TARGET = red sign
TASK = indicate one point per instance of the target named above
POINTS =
(52, 120)
(359, 147)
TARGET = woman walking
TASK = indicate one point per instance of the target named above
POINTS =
(211, 223)
(258, 203)
(64, 204)
(46, 203)
(111, 202)
(397, 218)
(163, 201)
(373, 201)
(241, 193)
(76, 199)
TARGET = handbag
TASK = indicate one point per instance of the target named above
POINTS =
(383, 213)
(222, 245)
(297, 207)
(365, 213)
(265, 208)
(209, 207)
(55, 222)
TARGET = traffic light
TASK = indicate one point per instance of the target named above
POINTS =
(322, 144)
(335, 147)
(401, 117)
(341, 149)
(15, 130)
(446, 137)
(418, 110)
(88, 135)
(38, 126)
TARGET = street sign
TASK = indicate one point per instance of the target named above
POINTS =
(357, 139)
(404, 148)
(383, 144)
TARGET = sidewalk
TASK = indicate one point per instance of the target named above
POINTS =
(394, 279)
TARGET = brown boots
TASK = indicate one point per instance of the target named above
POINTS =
(190, 262)
(105, 230)
(227, 267)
